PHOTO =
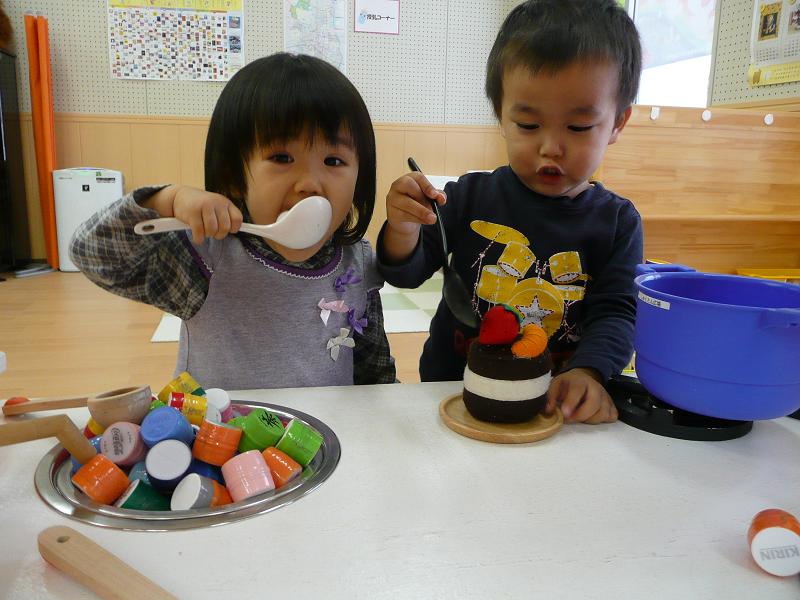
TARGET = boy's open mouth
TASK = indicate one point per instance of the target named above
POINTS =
(549, 171)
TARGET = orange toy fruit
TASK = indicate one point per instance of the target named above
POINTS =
(532, 343)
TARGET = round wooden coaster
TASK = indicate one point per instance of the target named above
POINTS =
(456, 417)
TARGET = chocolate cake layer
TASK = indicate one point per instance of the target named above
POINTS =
(498, 362)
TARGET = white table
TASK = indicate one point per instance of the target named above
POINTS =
(415, 510)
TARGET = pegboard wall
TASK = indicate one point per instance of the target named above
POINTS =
(433, 72)
(732, 58)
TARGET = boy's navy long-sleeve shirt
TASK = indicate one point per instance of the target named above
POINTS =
(565, 264)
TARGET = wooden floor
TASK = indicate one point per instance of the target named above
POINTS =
(64, 335)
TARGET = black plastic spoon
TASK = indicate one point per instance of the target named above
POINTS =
(454, 291)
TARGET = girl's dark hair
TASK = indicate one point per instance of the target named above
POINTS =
(276, 99)
(551, 34)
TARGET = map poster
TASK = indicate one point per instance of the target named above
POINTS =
(318, 28)
(194, 40)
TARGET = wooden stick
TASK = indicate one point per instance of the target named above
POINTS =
(60, 426)
(37, 404)
(95, 567)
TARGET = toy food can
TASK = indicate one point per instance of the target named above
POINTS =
(93, 428)
(193, 407)
(101, 480)
(260, 430)
(282, 467)
(774, 538)
(206, 470)
(216, 443)
(167, 463)
(166, 423)
(221, 400)
(122, 443)
(246, 475)
(196, 491)
(236, 421)
(300, 441)
(184, 383)
(141, 496)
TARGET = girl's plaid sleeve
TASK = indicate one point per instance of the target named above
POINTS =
(154, 269)
(372, 361)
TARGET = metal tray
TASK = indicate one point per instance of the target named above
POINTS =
(53, 484)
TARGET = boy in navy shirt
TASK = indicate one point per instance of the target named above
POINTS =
(537, 234)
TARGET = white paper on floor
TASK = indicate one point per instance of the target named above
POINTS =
(168, 330)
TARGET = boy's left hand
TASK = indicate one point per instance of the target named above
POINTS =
(581, 396)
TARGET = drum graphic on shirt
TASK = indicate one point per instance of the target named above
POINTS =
(565, 267)
(540, 303)
(501, 234)
(495, 285)
(516, 259)
(571, 293)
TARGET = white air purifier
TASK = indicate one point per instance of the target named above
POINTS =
(79, 193)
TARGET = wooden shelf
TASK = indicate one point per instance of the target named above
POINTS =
(768, 218)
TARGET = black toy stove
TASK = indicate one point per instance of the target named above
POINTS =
(638, 408)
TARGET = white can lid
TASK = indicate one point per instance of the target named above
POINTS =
(219, 398)
(187, 494)
(777, 551)
(168, 460)
(213, 414)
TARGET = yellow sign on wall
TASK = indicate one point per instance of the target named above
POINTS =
(774, 43)
(212, 5)
(772, 74)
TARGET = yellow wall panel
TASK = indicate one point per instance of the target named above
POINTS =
(108, 144)
(429, 148)
(68, 144)
(192, 150)
(155, 154)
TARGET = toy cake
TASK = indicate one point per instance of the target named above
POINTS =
(508, 369)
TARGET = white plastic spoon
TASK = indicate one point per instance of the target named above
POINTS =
(302, 226)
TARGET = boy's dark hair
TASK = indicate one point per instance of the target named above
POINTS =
(551, 34)
(276, 99)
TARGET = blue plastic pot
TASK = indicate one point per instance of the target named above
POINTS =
(718, 345)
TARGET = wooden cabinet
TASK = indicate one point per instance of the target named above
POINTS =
(14, 247)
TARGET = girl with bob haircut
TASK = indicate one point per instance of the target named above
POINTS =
(257, 314)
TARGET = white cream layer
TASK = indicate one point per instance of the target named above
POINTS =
(508, 391)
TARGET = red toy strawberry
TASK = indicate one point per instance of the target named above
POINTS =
(500, 325)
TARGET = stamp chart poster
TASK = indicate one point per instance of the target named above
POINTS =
(190, 40)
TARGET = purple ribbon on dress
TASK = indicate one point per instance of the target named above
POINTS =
(348, 278)
(357, 324)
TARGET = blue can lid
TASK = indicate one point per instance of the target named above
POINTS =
(206, 470)
(166, 423)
